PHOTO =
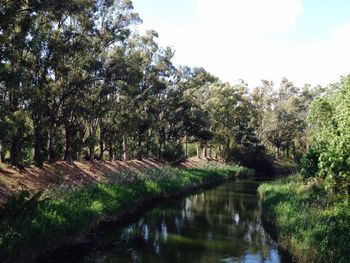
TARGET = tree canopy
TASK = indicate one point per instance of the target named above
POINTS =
(77, 80)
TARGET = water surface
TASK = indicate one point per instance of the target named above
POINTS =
(221, 224)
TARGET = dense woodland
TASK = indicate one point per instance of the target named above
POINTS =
(78, 81)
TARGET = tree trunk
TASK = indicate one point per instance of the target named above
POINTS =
(125, 148)
(101, 145)
(39, 154)
(92, 134)
(160, 150)
(68, 157)
(160, 145)
(91, 153)
(119, 151)
(277, 153)
(209, 153)
(2, 155)
(81, 132)
(228, 143)
(50, 140)
(14, 151)
(186, 150)
(139, 151)
(14, 106)
(198, 151)
(148, 142)
(205, 152)
(111, 152)
(132, 147)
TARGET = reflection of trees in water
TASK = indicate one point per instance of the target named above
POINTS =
(224, 220)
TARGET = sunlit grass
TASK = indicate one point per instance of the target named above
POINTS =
(31, 224)
(311, 222)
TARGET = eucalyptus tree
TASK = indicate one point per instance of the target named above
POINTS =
(262, 99)
(15, 26)
(282, 119)
(231, 114)
(197, 94)
(152, 73)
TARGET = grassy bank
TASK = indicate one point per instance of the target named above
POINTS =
(313, 224)
(31, 225)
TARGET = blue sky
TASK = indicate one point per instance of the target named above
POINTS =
(319, 19)
(307, 41)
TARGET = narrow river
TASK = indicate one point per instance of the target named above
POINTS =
(221, 224)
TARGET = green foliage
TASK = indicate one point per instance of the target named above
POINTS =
(173, 152)
(312, 222)
(330, 117)
(86, 80)
(32, 223)
(309, 163)
(311, 211)
(22, 137)
(253, 157)
(191, 150)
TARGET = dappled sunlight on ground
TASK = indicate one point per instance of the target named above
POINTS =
(75, 174)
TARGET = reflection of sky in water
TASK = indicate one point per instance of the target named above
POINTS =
(145, 232)
(164, 231)
(218, 225)
(236, 218)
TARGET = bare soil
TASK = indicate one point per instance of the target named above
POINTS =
(77, 174)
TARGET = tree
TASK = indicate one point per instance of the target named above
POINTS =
(328, 157)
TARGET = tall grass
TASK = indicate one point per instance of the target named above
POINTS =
(311, 222)
(37, 222)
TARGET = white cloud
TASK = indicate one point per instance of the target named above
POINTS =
(232, 39)
(252, 16)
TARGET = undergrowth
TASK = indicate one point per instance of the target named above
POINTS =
(311, 222)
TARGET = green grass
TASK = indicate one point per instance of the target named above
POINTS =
(311, 222)
(30, 224)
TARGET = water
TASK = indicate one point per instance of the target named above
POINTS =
(221, 224)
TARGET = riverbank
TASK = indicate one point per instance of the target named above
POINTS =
(76, 174)
(29, 226)
(311, 223)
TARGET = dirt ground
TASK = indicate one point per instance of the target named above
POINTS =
(76, 174)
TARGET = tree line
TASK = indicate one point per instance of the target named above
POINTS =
(77, 80)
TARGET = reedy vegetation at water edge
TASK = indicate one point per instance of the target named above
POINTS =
(309, 221)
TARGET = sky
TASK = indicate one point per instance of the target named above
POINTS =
(306, 41)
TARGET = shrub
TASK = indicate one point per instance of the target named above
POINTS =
(309, 163)
(314, 223)
(252, 157)
(173, 152)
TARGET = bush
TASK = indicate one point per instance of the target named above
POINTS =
(330, 117)
(255, 158)
(309, 163)
(173, 152)
(310, 222)
(191, 150)
(22, 137)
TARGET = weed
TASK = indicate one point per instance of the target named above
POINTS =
(315, 223)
